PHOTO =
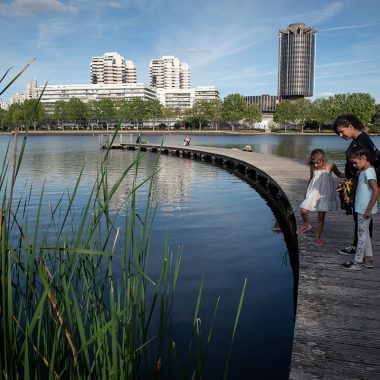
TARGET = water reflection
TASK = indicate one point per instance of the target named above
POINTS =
(223, 225)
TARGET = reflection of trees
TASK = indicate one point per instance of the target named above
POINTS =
(298, 147)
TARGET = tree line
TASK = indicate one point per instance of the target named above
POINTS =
(231, 112)
(323, 111)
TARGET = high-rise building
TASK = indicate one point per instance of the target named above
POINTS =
(31, 90)
(296, 61)
(168, 72)
(112, 68)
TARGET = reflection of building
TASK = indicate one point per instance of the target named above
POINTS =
(296, 61)
(112, 68)
(168, 72)
(267, 103)
(178, 98)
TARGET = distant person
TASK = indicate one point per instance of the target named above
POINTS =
(138, 140)
(320, 194)
(350, 127)
(367, 192)
(187, 141)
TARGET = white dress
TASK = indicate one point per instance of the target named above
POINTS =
(321, 194)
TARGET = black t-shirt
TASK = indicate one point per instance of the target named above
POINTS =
(364, 140)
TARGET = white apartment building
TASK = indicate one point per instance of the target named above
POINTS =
(93, 92)
(31, 90)
(3, 104)
(174, 97)
(18, 98)
(179, 98)
(168, 72)
(112, 68)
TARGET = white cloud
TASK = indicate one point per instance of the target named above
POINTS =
(49, 31)
(359, 74)
(347, 27)
(32, 7)
(114, 4)
(343, 63)
(327, 12)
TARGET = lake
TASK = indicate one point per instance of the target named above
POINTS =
(221, 224)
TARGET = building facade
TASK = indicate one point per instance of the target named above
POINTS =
(296, 61)
(3, 104)
(112, 68)
(93, 92)
(267, 103)
(168, 72)
(181, 99)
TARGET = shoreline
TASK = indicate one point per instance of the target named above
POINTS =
(170, 132)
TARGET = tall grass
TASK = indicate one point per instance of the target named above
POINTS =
(65, 313)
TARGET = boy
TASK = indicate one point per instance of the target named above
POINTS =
(366, 196)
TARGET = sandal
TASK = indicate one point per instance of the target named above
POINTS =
(302, 229)
(319, 242)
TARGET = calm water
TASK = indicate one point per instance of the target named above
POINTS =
(221, 224)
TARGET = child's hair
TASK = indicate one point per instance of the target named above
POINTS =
(358, 151)
(316, 154)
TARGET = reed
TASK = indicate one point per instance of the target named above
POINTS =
(65, 312)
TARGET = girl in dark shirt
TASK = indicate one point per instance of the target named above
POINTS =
(350, 127)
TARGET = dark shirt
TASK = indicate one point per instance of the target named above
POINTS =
(364, 140)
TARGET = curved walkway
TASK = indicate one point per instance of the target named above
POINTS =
(337, 328)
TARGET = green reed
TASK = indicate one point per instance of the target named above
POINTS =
(65, 313)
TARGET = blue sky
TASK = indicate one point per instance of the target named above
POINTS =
(230, 44)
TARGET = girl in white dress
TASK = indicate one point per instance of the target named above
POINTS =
(320, 194)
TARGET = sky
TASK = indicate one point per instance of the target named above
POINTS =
(230, 44)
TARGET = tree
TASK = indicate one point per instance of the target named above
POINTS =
(376, 119)
(284, 113)
(15, 115)
(153, 110)
(105, 111)
(252, 114)
(133, 110)
(33, 112)
(361, 105)
(76, 111)
(198, 113)
(60, 112)
(234, 108)
(215, 112)
(301, 111)
(3, 114)
(320, 112)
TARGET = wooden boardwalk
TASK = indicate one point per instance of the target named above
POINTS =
(337, 327)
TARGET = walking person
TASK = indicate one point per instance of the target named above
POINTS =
(320, 194)
(350, 127)
(367, 192)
